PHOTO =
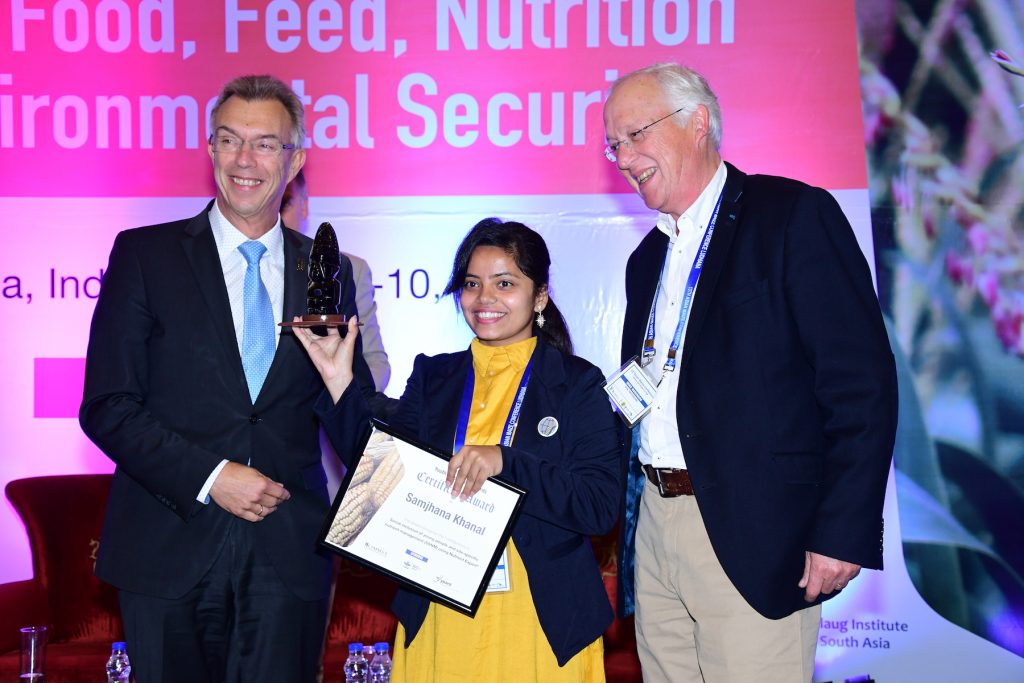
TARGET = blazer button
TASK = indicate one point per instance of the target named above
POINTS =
(254, 419)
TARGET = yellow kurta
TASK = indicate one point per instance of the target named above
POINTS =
(504, 642)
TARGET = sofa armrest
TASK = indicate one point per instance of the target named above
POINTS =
(22, 603)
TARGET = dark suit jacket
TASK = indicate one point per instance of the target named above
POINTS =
(166, 399)
(787, 397)
(573, 479)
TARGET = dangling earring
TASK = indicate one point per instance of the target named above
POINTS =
(540, 319)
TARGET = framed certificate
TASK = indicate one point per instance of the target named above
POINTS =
(395, 515)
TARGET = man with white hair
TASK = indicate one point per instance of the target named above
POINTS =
(758, 475)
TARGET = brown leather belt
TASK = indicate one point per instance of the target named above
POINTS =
(670, 482)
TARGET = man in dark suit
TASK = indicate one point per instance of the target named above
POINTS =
(757, 478)
(207, 410)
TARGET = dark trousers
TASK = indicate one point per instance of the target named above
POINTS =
(240, 624)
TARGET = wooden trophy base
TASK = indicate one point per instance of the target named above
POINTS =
(326, 320)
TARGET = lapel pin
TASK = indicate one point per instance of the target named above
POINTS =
(300, 264)
(547, 426)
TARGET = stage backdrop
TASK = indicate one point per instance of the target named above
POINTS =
(422, 118)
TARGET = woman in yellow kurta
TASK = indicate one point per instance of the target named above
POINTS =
(539, 419)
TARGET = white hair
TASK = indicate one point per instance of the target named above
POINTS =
(684, 89)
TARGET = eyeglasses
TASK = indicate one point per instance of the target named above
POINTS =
(262, 147)
(611, 152)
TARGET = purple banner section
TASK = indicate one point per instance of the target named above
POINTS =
(58, 386)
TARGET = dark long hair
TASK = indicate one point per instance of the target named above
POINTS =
(530, 253)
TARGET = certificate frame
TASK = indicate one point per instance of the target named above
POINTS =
(422, 538)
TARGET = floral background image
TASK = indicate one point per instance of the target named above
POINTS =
(942, 85)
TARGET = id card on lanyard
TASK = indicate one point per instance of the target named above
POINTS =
(500, 580)
(629, 388)
(631, 391)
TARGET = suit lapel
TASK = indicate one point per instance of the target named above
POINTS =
(650, 260)
(547, 372)
(294, 303)
(444, 391)
(201, 253)
(717, 257)
(296, 280)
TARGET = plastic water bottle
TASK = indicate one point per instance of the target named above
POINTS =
(380, 665)
(119, 669)
(356, 664)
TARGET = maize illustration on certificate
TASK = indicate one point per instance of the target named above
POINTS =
(395, 514)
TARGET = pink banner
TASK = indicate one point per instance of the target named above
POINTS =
(57, 384)
(469, 97)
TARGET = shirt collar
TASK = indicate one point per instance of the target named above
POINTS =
(700, 211)
(518, 354)
(229, 238)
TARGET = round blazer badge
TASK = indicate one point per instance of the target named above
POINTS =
(547, 426)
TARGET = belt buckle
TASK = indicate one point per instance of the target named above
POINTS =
(661, 486)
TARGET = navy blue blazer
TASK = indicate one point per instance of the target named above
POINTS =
(166, 399)
(787, 395)
(573, 479)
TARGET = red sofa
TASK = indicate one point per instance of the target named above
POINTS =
(63, 516)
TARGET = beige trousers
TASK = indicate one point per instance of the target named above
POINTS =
(691, 623)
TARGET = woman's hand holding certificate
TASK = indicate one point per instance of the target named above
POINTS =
(470, 467)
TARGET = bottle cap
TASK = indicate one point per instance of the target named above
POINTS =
(355, 647)
(381, 647)
(119, 646)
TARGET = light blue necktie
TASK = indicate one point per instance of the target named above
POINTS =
(258, 328)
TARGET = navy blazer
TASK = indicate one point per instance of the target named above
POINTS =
(787, 395)
(166, 399)
(573, 479)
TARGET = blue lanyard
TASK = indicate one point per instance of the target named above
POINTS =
(684, 311)
(467, 404)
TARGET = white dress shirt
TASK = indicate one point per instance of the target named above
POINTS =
(233, 265)
(228, 238)
(659, 434)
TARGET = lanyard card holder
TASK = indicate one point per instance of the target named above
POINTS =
(631, 392)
